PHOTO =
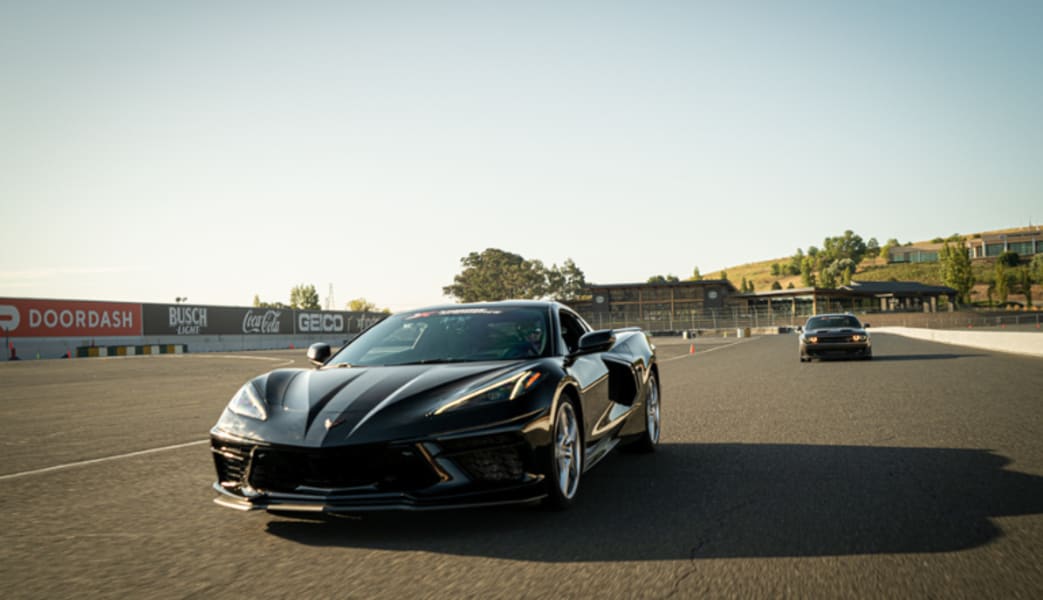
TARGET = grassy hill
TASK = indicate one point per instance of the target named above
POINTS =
(870, 270)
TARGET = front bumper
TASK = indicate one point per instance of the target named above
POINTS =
(835, 348)
(501, 466)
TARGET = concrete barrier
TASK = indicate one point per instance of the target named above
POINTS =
(1015, 342)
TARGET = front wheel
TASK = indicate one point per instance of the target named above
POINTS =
(566, 456)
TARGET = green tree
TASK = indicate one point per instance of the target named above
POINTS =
(1001, 283)
(776, 269)
(807, 272)
(955, 265)
(724, 275)
(361, 305)
(696, 275)
(567, 282)
(304, 297)
(796, 263)
(1023, 281)
(496, 274)
(258, 303)
(1009, 259)
(775, 285)
(663, 279)
(849, 245)
(1036, 268)
(872, 248)
(886, 250)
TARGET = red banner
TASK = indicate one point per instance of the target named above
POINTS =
(20, 317)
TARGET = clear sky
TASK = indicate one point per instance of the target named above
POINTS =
(215, 150)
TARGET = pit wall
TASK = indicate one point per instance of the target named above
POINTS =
(1015, 342)
(33, 328)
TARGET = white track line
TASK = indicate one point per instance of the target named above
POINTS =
(666, 360)
(100, 460)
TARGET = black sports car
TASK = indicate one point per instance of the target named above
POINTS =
(835, 336)
(444, 407)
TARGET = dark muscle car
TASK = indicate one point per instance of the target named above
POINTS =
(835, 336)
(444, 407)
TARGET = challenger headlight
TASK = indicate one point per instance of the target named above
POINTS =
(246, 403)
(499, 391)
(812, 339)
(859, 338)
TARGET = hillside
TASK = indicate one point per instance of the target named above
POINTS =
(759, 273)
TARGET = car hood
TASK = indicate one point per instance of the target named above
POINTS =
(331, 406)
(834, 330)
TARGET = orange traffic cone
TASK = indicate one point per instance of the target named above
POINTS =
(691, 349)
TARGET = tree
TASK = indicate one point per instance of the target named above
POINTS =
(955, 265)
(1036, 268)
(796, 262)
(304, 297)
(495, 274)
(1001, 284)
(567, 282)
(724, 275)
(361, 305)
(775, 285)
(1008, 258)
(872, 248)
(849, 245)
(662, 279)
(1023, 282)
(807, 271)
(258, 303)
(886, 250)
(696, 275)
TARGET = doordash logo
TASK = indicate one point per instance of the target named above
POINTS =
(66, 318)
(9, 317)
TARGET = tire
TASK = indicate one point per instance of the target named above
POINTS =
(649, 438)
(566, 456)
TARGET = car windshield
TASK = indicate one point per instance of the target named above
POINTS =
(450, 335)
(833, 322)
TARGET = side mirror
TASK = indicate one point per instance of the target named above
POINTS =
(319, 353)
(799, 329)
(596, 341)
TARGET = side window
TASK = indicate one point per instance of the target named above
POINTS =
(572, 328)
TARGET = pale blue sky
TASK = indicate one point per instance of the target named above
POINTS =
(216, 150)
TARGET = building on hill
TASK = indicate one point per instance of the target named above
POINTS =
(1026, 243)
(991, 245)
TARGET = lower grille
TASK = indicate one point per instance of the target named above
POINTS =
(281, 469)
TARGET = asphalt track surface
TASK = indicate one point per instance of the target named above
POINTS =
(918, 474)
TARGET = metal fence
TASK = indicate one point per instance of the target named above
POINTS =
(733, 318)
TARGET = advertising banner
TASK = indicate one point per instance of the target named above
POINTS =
(26, 317)
(185, 319)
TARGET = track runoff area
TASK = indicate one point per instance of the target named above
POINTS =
(917, 474)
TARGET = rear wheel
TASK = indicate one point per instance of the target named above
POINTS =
(649, 439)
(566, 456)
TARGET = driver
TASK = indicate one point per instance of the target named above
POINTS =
(531, 343)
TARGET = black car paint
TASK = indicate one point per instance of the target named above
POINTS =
(396, 409)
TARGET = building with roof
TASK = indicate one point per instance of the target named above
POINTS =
(713, 303)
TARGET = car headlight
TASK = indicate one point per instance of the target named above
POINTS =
(246, 403)
(503, 389)
(811, 339)
(859, 338)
